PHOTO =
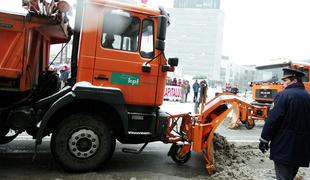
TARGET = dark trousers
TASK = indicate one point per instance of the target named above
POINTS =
(285, 172)
(195, 96)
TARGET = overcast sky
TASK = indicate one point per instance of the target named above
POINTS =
(256, 31)
(260, 30)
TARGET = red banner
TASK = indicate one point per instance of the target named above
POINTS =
(172, 93)
(144, 1)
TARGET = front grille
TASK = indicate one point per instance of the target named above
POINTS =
(266, 93)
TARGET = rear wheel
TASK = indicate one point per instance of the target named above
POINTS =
(82, 142)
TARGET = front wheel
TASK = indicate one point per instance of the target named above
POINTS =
(4, 131)
(174, 153)
(82, 142)
(249, 123)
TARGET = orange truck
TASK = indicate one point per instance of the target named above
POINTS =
(266, 88)
(118, 75)
(116, 91)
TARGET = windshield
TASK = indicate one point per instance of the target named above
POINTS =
(120, 30)
(269, 75)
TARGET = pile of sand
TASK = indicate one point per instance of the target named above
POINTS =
(229, 162)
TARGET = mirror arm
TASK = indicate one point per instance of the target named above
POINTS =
(149, 61)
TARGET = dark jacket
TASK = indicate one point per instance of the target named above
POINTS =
(196, 87)
(288, 127)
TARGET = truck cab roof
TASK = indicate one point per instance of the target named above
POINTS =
(132, 8)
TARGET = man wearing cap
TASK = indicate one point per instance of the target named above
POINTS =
(109, 40)
(287, 127)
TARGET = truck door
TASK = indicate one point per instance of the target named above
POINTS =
(119, 56)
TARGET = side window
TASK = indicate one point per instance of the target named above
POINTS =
(306, 77)
(147, 39)
(120, 31)
(306, 71)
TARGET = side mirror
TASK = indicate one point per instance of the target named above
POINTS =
(173, 62)
(165, 68)
(160, 44)
(161, 34)
(146, 67)
(163, 22)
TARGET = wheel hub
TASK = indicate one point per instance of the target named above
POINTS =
(83, 143)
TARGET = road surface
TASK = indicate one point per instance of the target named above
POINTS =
(153, 163)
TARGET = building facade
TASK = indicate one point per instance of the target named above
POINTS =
(195, 36)
(209, 4)
(236, 75)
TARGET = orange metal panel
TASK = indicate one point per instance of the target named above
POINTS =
(11, 53)
(199, 135)
(131, 8)
(106, 62)
(24, 49)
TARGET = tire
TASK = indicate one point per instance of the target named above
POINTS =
(4, 131)
(249, 123)
(82, 142)
(178, 160)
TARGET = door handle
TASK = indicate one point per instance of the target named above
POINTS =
(101, 77)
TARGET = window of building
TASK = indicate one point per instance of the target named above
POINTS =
(120, 31)
(147, 39)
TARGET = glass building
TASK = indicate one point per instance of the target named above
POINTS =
(209, 4)
(195, 36)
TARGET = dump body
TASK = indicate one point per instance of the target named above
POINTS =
(25, 47)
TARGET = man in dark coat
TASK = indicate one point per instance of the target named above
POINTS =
(109, 40)
(287, 127)
(196, 87)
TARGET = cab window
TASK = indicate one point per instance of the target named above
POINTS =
(305, 71)
(147, 39)
(120, 31)
(306, 77)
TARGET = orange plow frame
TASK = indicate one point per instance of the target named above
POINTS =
(196, 131)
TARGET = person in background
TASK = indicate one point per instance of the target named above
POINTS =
(169, 81)
(174, 82)
(179, 83)
(109, 40)
(227, 87)
(287, 127)
(203, 91)
(188, 90)
(183, 91)
(234, 90)
(64, 73)
(196, 88)
(203, 95)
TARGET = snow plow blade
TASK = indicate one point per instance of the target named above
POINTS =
(195, 132)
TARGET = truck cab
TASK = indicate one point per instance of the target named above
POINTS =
(133, 31)
(268, 82)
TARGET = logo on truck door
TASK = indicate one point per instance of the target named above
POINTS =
(5, 25)
(125, 79)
